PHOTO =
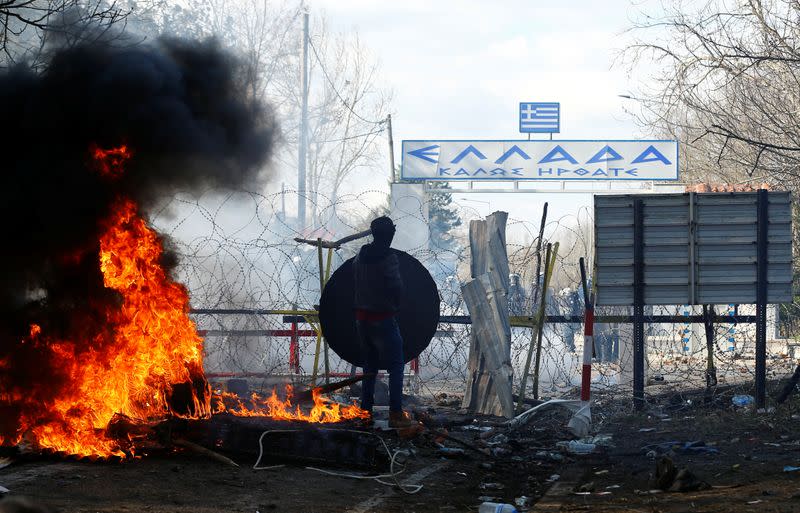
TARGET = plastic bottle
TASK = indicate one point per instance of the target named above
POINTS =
(495, 507)
(577, 447)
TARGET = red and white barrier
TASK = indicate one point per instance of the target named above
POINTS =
(588, 343)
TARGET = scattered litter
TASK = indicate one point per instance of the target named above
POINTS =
(577, 447)
(601, 472)
(647, 430)
(522, 501)
(498, 439)
(603, 440)
(473, 427)
(603, 493)
(581, 493)
(551, 456)
(696, 447)
(491, 486)
(754, 502)
(581, 421)
(573, 405)
(494, 507)
(742, 400)
(451, 452)
(553, 478)
(789, 468)
(612, 487)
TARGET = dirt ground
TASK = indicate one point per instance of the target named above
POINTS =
(189, 482)
(739, 453)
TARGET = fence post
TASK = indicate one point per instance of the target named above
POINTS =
(588, 336)
(762, 206)
(294, 350)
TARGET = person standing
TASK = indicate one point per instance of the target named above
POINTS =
(378, 291)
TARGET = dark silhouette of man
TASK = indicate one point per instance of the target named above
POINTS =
(378, 289)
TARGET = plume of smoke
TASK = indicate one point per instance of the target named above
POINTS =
(177, 105)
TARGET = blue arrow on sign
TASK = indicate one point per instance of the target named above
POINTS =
(467, 151)
(426, 153)
(514, 149)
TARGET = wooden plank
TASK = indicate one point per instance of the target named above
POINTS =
(486, 297)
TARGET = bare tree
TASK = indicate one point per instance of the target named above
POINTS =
(348, 113)
(27, 27)
(725, 86)
(347, 107)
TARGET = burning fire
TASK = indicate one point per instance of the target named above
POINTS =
(323, 411)
(146, 362)
(148, 354)
(111, 162)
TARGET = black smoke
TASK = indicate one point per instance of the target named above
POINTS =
(179, 106)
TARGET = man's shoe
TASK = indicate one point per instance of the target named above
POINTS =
(401, 420)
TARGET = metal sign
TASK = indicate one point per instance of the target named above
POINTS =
(539, 118)
(539, 160)
(697, 248)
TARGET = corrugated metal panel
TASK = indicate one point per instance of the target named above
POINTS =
(724, 246)
(666, 238)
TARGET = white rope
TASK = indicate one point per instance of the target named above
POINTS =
(407, 488)
(261, 453)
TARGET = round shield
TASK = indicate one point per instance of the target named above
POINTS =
(418, 317)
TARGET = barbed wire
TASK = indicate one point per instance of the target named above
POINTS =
(237, 252)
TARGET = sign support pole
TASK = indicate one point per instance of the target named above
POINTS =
(302, 146)
(638, 304)
(761, 297)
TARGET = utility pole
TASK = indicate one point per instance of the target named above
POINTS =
(391, 148)
(302, 149)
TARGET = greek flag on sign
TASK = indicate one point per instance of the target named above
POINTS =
(539, 118)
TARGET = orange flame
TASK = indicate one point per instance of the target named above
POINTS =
(148, 353)
(149, 348)
(110, 163)
(323, 411)
(155, 348)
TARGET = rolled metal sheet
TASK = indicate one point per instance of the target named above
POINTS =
(418, 317)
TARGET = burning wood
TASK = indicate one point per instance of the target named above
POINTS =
(146, 363)
(323, 411)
